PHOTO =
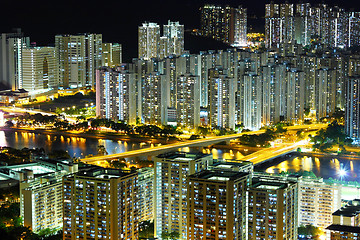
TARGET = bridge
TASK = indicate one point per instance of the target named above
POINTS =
(269, 154)
(256, 158)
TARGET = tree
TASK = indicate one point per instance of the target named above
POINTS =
(168, 130)
(55, 154)
(146, 229)
(101, 150)
(203, 131)
(117, 164)
(79, 118)
(170, 235)
(9, 123)
(326, 138)
(338, 115)
(310, 231)
(307, 111)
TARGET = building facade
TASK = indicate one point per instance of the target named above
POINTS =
(116, 95)
(352, 108)
(111, 55)
(79, 56)
(146, 194)
(273, 206)
(317, 201)
(40, 69)
(149, 40)
(170, 190)
(101, 204)
(226, 24)
(11, 48)
(217, 205)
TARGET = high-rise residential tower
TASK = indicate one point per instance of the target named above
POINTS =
(111, 54)
(116, 95)
(79, 56)
(174, 34)
(101, 204)
(217, 205)
(11, 48)
(226, 24)
(352, 108)
(40, 69)
(273, 209)
(279, 20)
(170, 190)
(221, 99)
(188, 101)
(149, 40)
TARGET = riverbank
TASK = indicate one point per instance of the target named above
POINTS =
(95, 135)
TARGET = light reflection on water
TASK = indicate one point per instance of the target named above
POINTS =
(76, 146)
(80, 147)
(326, 167)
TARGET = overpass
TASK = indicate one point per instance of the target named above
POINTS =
(269, 154)
(169, 147)
(200, 143)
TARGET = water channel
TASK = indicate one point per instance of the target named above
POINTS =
(322, 166)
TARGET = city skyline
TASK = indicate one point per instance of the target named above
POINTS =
(115, 124)
(46, 20)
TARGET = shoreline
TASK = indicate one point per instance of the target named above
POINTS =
(125, 138)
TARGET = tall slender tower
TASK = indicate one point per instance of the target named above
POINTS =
(11, 48)
(273, 209)
(279, 24)
(174, 34)
(149, 41)
(352, 108)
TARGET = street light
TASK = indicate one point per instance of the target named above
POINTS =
(342, 172)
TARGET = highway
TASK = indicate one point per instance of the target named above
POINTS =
(271, 153)
(24, 110)
(256, 158)
(208, 141)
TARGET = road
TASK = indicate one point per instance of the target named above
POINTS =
(271, 153)
(24, 110)
(256, 157)
(203, 142)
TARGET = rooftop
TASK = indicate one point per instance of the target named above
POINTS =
(350, 210)
(343, 228)
(104, 173)
(269, 185)
(183, 156)
(222, 176)
(229, 165)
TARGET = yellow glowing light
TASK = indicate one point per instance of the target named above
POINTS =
(322, 237)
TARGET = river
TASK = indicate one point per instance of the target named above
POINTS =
(326, 166)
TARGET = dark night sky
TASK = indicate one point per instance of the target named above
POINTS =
(116, 20)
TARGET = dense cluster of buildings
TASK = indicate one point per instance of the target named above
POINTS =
(152, 45)
(304, 23)
(70, 64)
(225, 24)
(189, 193)
(225, 88)
(186, 193)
